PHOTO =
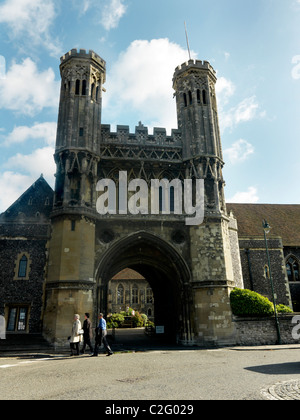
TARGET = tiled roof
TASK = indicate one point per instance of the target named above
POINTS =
(37, 199)
(283, 218)
(128, 274)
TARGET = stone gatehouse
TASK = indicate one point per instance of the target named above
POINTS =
(59, 254)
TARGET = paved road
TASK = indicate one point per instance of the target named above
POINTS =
(223, 374)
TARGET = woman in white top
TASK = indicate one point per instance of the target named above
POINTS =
(76, 335)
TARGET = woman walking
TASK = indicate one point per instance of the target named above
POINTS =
(76, 336)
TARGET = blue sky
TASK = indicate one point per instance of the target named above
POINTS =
(254, 45)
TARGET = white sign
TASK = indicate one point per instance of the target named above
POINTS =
(160, 329)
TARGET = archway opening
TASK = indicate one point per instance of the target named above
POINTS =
(167, 275)
(128, 290)
(130, 309)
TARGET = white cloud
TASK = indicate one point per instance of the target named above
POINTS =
(224, 90)
(245, 111)
(28, 91)
(12, 185)
(40, 161)
(112, 12)
(39, 131)
(86, 4)
(21, 171)
(239, 151)
(249, 196)
(107, 12)
(29, 22)
(141, 81)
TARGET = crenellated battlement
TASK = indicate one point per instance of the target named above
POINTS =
(141, 136)
(82, 53)
(194, 64)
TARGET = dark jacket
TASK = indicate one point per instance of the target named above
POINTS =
(87, 329)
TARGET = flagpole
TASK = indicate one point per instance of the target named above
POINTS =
(187, 41)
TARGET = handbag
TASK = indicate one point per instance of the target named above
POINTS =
(80, 332)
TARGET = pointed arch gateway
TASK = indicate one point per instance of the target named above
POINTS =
(165, 270)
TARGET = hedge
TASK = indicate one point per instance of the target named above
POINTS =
(247, 303)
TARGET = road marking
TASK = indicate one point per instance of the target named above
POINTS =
(28, 362)
(7, 366)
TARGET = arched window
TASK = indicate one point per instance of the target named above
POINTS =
(198, 96)
(204, 99)
(77, 87)
(83, 91)
(134, 294)
(97, 93)
(293, 268)
(149, 295)
(267, 272)
(93, 91)
(190, 97)
(23, 267)
(120, 295)
(162, 204)
(185, 99)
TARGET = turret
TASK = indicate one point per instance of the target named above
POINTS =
(194, 85)
(79, 128)
(79, 120)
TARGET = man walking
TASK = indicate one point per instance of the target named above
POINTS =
(87, 333)
(101, 333)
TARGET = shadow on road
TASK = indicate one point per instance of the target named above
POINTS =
(291, 368)
(135, 339)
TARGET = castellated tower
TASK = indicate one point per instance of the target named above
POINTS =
(79, 128)
(194, 85)
(70, 283)
(215, 262)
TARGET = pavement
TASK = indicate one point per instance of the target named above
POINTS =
(286, 390)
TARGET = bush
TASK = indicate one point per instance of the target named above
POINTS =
(128, 312)
(283, 309)
(115, 320)
(137, 320)
(248, 303)
(145, 319)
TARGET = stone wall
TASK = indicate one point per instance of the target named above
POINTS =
(27, 292)
(262, 331)
(254, 262)
(293, 285)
